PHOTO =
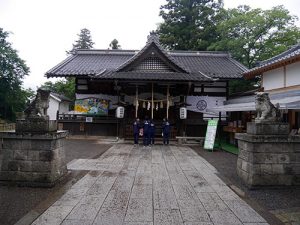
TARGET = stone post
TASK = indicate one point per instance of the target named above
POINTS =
(268, 155)
(34, 155)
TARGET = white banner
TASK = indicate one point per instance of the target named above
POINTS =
(202, 103)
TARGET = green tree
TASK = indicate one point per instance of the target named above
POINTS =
(252, 35)
(114, 44)
(64, 87)
(12, 70)
(189, 24)
(84, 41)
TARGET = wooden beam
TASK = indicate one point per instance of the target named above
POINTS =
(168, 92)
(152, 101)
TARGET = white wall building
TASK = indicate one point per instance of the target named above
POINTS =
(57, 104)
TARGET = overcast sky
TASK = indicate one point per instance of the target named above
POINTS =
(43, 30)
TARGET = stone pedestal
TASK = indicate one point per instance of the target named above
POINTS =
(33, 159)
(36, 125)
(268, 155)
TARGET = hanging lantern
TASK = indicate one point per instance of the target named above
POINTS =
(156, 107)
(144, 105)
(161, 104)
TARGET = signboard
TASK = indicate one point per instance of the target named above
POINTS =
(88, 119)
(91, 106)
(210, 134)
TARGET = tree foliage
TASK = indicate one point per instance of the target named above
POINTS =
(84, 41)
(12, 70)
(114, 44)
(64, 87)
(189, 24)
(252, 35)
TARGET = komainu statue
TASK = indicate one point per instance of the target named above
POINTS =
(266, 111)
(38, 107)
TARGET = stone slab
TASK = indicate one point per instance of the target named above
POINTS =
(274, 128)
(155, 192)
(36, 125)
(167, 217)
(140, 210)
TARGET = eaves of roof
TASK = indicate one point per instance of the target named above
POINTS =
(288, 57)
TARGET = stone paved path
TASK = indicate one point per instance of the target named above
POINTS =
(153, 186)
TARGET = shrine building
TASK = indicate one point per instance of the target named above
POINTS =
(151, 82)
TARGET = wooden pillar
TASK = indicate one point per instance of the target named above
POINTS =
(168, 92)
(136, 101)
(152, 106)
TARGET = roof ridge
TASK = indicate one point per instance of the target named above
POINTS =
(105, 51)
(152, 39)
(199, 53)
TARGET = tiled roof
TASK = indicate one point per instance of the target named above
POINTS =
(274, 62)
(110, 64)
(61, 97)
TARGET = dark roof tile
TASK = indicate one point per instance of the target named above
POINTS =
(291, 53)
(108, 64)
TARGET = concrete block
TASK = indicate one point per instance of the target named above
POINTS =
(8, 154)
(266, 169)
(20, 154)
(296, 147)
(42, 145)
(12, 144)
(296, 180)
(26, 144)
(264, 180)
(38, 166)
(45, 155)
(283, 158)
(255, 169)
(33, 155)
(285, 179)
(275, 128)
(245, 166)
(265, 158)
(278, 169)
(239, 163)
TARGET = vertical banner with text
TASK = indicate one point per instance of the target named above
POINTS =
(210, 134)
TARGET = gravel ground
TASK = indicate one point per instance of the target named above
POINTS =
(263, 198)
(15, 202)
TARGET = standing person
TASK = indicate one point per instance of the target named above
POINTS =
(146, 131)
(136, 131)
(166, 131)
(152, 132)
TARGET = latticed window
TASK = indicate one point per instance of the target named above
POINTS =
(152, 64)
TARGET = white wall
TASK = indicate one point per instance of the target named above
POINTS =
(293, 74)
(53, 108)
(64, 107)
(273, 79)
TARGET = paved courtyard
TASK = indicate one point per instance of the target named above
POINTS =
(149, 186)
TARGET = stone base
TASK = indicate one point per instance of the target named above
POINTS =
(270, 128)
(36, 160)
(268, 160)
(36, 125)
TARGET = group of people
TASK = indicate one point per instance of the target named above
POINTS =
(147, 131)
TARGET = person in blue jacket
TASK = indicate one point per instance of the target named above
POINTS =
(136, 131)
(166, 131)
(152, 132)
(146, 131)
